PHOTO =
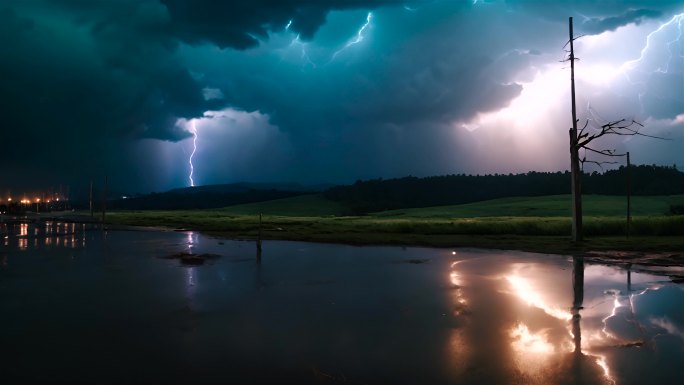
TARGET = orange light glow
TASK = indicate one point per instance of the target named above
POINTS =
(524, 290)
(525, 341)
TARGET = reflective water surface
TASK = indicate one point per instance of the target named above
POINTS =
(78, 305)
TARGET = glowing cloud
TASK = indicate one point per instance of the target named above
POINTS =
(528, 342)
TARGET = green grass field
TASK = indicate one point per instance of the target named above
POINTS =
(535, 223)
(545, 206)
(314, 205)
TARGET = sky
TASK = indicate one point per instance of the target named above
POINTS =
(326, 91)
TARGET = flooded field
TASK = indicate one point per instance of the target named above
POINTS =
(79, 305)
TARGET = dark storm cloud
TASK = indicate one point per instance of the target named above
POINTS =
(13, 24)
(83, 79)
(136, 83)
(90, 69)
(601, 24)
(133, 44)
(423, 76)
(594, 17)
(242, 24)
(77, 87)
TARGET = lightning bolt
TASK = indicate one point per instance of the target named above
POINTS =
(632, 64)
(627, 69)
(305, 55)
(358, 39)
(193, 129)
(617, 304)
(680, 21)
(288, 25)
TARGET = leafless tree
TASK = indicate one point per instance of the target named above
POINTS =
(622, 127)
(584, 139)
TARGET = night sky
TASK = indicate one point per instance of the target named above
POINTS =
(325, 91)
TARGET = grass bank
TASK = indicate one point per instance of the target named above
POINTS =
(540, 224)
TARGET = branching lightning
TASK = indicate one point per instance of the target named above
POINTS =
(680, 21)
(358, 39)
(305, 54)
(676, 19)
(632, 317)
(193, 129)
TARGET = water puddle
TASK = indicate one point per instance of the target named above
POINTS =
(82, 305)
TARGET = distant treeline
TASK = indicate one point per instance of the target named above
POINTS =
(175, 200)
(380, 194)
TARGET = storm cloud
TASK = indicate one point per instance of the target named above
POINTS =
(320, 91)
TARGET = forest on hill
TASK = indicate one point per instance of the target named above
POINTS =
(387, 194)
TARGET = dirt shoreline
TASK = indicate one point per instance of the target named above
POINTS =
(665, 259)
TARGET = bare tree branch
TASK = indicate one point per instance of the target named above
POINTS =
(603, 152)
(622, 127)
(574, 38)
(581, 135)
(600, 164)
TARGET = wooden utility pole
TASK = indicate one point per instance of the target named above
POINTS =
(629, 195)
(576, 173)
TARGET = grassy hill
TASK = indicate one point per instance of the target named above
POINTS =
(314, 205)
(545, 206)
(534, 223)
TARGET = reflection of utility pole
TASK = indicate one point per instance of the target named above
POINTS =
(259, 242)
(629, 277)
(577, 300)
(259, 276)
